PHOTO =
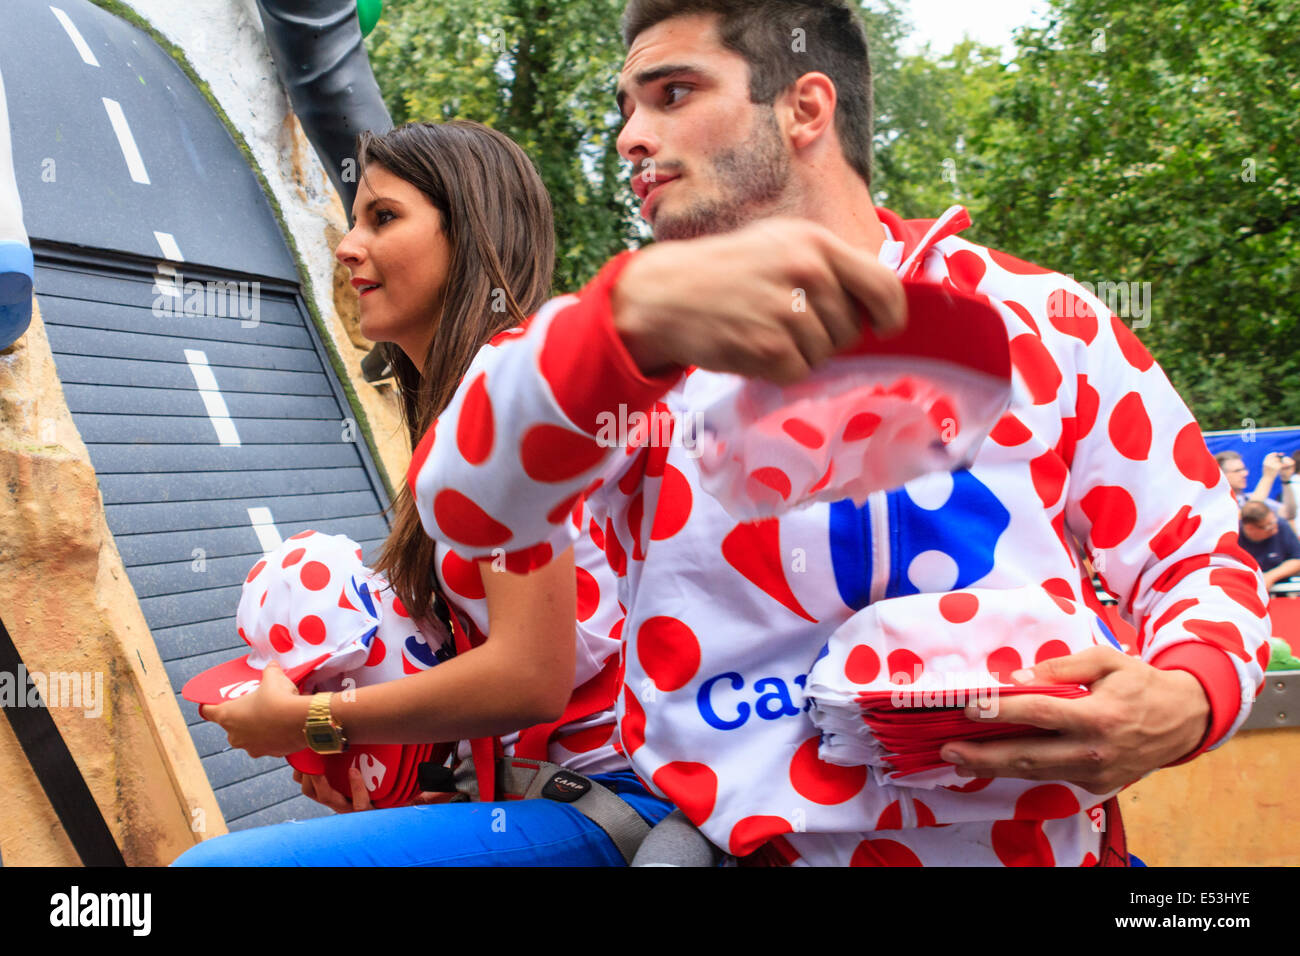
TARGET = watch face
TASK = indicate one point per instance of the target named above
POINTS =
(323, 740)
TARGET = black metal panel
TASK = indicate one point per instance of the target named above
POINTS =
(71, 340)
(201, 190)
(297, 808)
(142, 291)
(115, 400)
(182, 577)
(256, 793)
(209, 738)
(232, 766)
(213, 486)
(136, 459)
(168, 430)
(137, 549)
(189, 516)
(205, 637)
(196, 607)
(115, 371)
(82, 313)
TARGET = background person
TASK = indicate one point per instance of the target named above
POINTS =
(1271, 542)
(1235, 470)
(1290, 483)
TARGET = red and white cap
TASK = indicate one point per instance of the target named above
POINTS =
(332, 618)
(874, 417)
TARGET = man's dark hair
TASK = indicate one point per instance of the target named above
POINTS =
(833, 41)
(1255, 513)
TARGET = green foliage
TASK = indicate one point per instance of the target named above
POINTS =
(543, 73)
(1129, 141)
(1156, 141)
(927, 106)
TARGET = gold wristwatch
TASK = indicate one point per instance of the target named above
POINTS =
(323, 735)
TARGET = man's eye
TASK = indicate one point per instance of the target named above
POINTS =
(671, 89)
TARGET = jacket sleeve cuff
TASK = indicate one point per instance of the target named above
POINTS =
(585, 362)
(1218, 678)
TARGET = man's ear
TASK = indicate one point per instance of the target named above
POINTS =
(810, 108)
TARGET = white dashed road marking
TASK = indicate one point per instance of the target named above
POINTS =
(134, 162)
(212, 400)
(167, 243)
(87, 55)
(264, 527)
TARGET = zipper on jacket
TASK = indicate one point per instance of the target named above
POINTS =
(878, 509)
(907, 809)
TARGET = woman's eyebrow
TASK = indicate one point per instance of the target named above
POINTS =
(378, 200)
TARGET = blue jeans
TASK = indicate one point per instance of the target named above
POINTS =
(518, 833)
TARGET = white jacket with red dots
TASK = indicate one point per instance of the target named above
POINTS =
(725, 619)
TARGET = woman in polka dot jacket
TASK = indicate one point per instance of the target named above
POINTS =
(451, 221)
(720, 634)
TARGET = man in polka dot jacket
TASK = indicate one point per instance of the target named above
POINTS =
(728, 130)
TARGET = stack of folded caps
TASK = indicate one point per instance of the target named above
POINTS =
(890, 687)
(871, 418)
(321, 619)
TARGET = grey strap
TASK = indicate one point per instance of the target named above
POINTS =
(675, 841)
(523, 779)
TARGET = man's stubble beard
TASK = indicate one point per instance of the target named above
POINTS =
(755, 177)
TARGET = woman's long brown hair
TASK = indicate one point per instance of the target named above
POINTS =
(497, 217)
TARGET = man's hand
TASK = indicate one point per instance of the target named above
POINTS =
(773, 300)
(1287, 569)
(1287, 471)
(319, 789)
(1273, 463)
(1137, 718)
(268, 722)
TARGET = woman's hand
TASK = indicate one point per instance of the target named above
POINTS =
(269, 722)
(319, 789)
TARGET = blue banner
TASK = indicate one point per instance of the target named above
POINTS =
(1253, 445)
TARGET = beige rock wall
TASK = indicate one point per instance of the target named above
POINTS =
(67, 603)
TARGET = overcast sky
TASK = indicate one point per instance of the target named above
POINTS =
(943, 22)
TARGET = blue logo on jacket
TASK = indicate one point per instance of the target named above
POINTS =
(955, 542)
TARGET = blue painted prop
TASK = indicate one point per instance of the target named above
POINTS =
(16, 269)
(1253, 445)
(16, 265)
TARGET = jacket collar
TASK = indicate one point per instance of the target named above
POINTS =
(918, 236)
